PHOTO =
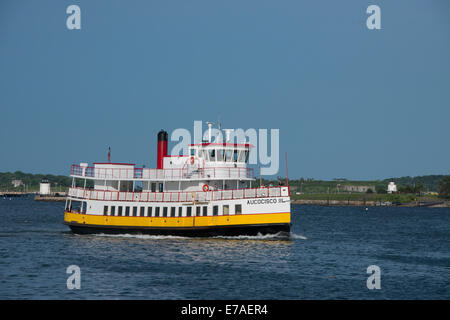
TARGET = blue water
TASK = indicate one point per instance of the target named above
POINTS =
(325, 258)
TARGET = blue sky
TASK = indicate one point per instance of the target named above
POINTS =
(349, 102)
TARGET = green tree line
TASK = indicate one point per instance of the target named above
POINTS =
(406, 185)
(32, 181)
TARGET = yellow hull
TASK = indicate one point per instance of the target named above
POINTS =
(209, 225)
(265, 218)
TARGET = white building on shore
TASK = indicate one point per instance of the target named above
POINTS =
(17, 183)
(392, 187)
(44, 188)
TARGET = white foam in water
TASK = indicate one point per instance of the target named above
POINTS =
(298, 236)
(139, 236)
(259, 236)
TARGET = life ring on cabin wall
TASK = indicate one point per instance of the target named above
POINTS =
(205, 187)
(192, 160)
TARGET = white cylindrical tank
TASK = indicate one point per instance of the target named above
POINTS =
(44, 188)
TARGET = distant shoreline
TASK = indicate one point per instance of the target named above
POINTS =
(371, 203)
(361, 200)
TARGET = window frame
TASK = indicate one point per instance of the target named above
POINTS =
(189, 211)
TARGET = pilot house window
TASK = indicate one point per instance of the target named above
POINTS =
(241, 156)
(246, 155)
(220, 154)
(228, 155)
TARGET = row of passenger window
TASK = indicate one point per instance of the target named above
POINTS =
(222, 155)
(184, 211)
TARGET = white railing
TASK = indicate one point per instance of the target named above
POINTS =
(104, 195)
(188, 173)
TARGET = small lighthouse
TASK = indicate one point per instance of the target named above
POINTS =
(44, 188)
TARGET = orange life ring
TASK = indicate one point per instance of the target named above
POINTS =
(205, 187)
(192, 160)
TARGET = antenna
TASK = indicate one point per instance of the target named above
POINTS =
(287, 174)
(260, 178)
(209, 131)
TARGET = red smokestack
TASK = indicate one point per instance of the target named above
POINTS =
(162, 148)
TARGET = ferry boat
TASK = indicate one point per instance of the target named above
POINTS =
(207, 192)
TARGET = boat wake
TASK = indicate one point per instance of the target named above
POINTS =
(275, 236)
(139, 236)
(298, 236)
(259, 236)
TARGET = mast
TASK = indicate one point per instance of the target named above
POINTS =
(287, 174)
